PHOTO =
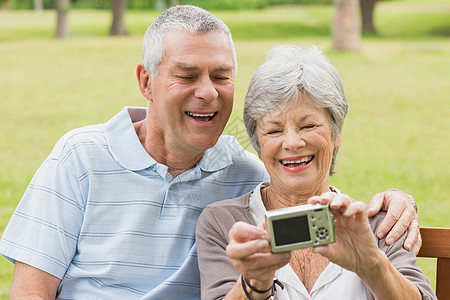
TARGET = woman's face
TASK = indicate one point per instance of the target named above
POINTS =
(296, 147)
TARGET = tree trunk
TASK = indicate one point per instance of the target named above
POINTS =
(346, 25)
(367, 8)
(38, 5)
(62, 10)
(118, 8)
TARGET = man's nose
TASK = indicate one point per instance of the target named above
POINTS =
(206, 89)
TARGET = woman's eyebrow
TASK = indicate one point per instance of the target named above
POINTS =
(276, 122)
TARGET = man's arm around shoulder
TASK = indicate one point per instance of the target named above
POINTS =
(32, 283)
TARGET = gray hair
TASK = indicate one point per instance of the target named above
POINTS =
(181, 17)
(288, 73)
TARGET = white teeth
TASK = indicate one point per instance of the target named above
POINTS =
(201, 115)
(303, 160)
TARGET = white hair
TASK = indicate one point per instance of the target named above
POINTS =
(181, 17)
(288, 73)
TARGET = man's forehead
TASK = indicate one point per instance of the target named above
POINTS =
(188, 51)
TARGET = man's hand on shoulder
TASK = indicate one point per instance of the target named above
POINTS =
(401, 215)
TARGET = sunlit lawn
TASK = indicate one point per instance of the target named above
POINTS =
(396, 133)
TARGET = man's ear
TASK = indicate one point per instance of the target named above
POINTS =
(144, 81)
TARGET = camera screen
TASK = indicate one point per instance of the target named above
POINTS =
(291, 230)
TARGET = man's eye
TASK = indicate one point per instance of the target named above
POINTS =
(185, 77)
(222, 78)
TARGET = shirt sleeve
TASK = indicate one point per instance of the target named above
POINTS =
(217, 273)
(403, 260)
(44, 229)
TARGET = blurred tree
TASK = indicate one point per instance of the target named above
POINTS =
(62, 11)
(174, 2)
(118, 8)
(346, 29)
(367, 8)
(38, 5)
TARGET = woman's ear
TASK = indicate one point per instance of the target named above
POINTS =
(144, 81)
(338, 142)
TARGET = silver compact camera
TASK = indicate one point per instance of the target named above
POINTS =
(299, 227)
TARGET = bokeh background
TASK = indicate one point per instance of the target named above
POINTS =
(398, 84)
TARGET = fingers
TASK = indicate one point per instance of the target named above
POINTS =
(413, 239)
(404, 222)
(249, 250)
(325, 198)
(356, 209)
(262, 225)
(253, 263)
(392, 220)
(404, 215)
(418, 244)
(244, 232)
(343, 204)
(375, 204)
(336, 201)
(396, 203)
(246, 239)
(243, 250)
(399, 217)
(261, 266)
(322, 250)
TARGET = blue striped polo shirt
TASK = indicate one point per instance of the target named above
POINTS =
(102, 215)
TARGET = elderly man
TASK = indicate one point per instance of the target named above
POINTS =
(111, 213)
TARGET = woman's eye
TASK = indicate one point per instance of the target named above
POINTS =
(308, 126)
(273, 132)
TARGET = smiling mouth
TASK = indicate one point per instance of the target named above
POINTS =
(201, 117)
(297, 163)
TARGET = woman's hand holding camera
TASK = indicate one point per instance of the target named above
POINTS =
(250, 252)
(356, 248)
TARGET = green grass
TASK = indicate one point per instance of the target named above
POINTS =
(396, 133)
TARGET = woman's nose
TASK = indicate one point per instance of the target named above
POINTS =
(206, 89)
(293, 140)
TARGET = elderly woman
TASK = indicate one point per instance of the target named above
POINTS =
(294, 113)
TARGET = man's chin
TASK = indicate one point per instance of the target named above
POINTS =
(203, 143)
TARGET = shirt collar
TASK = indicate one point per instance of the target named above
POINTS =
(123, 142)
(128, 151)
(256, 205)
(217, 157)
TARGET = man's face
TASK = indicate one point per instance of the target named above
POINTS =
(192, 96)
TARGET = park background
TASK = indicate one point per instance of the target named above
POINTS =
(398, 86)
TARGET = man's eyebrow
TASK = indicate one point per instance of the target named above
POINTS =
(187, 67)
(224, 68)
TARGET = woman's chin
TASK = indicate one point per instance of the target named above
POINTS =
(304, 186)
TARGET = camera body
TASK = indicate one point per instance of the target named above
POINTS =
(299, 227)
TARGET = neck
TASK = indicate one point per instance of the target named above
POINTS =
(274, 197)
(176, 160)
